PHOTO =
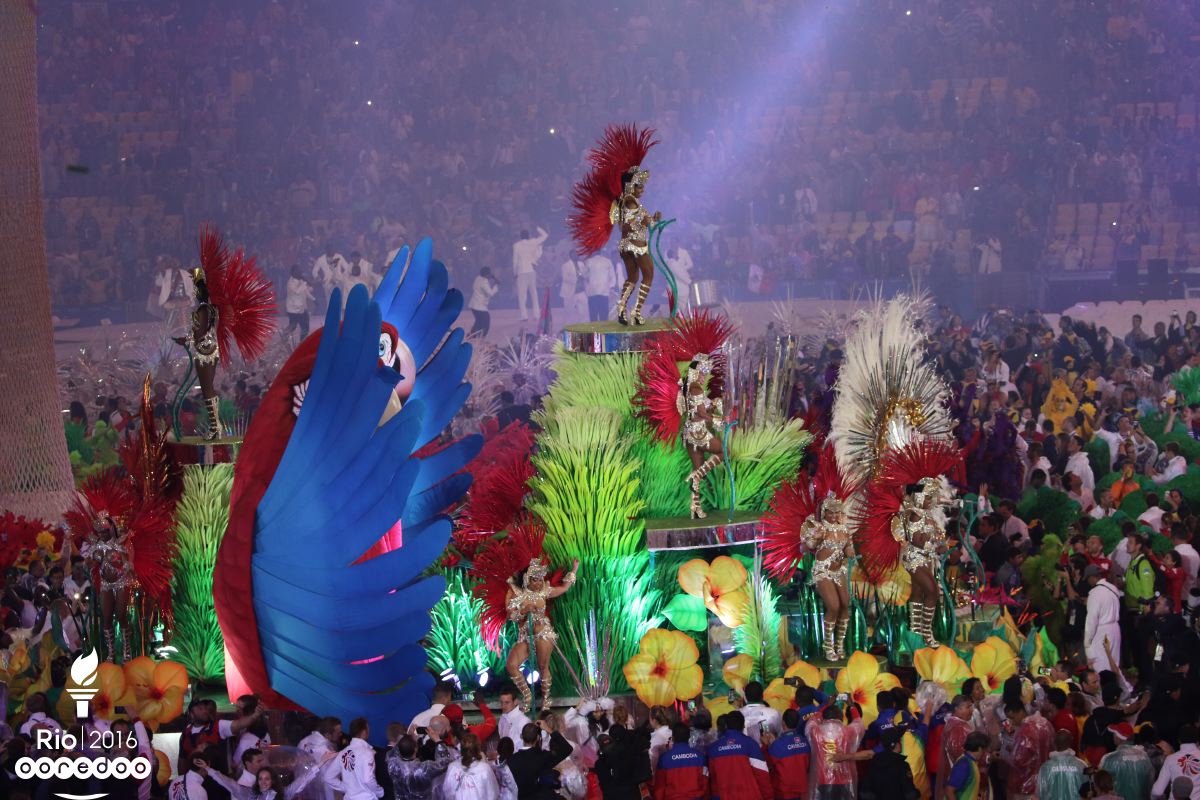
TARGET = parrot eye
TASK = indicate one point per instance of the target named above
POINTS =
(386, 353)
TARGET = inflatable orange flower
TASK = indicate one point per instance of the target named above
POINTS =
(158, 688)
(665, 668)
(812, 676)
(862, 680)
(721, 585)
(993, 663)
(943, 666)
(113, 692)
(162, 773)
(737, 670)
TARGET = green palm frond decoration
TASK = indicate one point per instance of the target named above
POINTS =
(455, 641)
(758, 635)
(200, 521)
(763, 456)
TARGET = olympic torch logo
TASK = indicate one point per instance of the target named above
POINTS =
(84, 674)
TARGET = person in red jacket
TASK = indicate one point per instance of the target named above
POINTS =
(787, 759)
(736, 767)
(682, 771)
(483, 730)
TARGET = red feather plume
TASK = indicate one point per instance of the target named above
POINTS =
(244, 298)
(621, 147)
(794, 502)
(496, 501)
(878, 551)
(148, 462)
(498, 560)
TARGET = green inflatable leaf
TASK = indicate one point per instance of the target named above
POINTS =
(687, 613)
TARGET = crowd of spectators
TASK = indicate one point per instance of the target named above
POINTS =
(807, 139)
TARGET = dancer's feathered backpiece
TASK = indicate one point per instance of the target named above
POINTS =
(793, 503)
(592, 198)
(877, 548)
(243, 295)
(887, 393)
(656, 401)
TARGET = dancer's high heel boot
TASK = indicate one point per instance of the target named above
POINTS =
(626, 292)
(518, 679)
(213, 404)
(839, 638)
(829, 630)
(643, 291)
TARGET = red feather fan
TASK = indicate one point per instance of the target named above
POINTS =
(658, 376)
(621, 147)
(794, 502)
(149, 521)
(501, 473)
(244, 298)
(498, 560)
(878, 551)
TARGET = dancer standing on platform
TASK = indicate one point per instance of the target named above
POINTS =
(611, 195)
(528, 593)
(920, 528)
(234, 301)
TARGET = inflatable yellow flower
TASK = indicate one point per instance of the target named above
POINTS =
(721, 585)
(943, 666)
(665, 668)
(718, 705)
(993, 663)
(158, 688)
(737, 671)
(113, 692)
(779, 696)
(812, 676)
(862, 680)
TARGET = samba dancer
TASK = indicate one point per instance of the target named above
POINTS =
(526, 601)
(703, 418)
(827, 536)
(920, 528)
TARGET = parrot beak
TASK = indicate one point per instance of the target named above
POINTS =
(392, 409)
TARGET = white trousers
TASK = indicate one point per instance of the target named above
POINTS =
(527, 287)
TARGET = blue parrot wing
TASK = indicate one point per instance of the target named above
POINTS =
(341, 635)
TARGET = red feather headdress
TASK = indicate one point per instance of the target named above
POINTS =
(621, 147)
(793, 503)
(244, 298)
(878, 550)
(658, 377)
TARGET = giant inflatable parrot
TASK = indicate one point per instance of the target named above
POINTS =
(334, 516)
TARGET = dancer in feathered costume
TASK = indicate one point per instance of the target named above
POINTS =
(812, 518)
(891, 430)
(611, 195)
(692, 402)
(516, 586)
(128, 542)
(235, 303)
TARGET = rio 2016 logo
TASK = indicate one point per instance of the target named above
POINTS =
(84, 676)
